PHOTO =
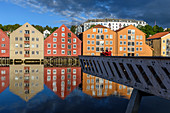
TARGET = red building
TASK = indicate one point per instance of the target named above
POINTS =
(4, 78)
(62, 80)
(4, 44)
(62, 42)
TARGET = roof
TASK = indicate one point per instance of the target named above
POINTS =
(3, 32)
(121, 29)
(158, 35)
(99, 26)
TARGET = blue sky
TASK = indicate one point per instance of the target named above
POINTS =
(72, 12)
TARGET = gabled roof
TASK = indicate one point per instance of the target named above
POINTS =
(121, 29)
(3, 33)
(99, 26)
(158, 35)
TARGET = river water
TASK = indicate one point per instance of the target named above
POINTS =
(39, 89)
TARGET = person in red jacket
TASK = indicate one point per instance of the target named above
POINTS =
(108, 53)
(103, 53)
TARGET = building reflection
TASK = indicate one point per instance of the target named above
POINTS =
(26, 80)
(62, 80)
(4, 78)
(98, 87)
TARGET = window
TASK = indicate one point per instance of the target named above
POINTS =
(63, 28)
(3, 39)
(124, 36)
(92, 36)
(74, 51)
(88, 36)
(88, 42)
(133, 43)
(137, 43)
(120, 36)
(26, 25)
(36, 45)
(124, 48)
(63, 34)
(37, 39)
(54, 45)
(33, 31)
(137, 37)
(133, 37)
(62, 51)
(163, 47)
(94, 30)
(111, 48)
(20, 31)
(55, 34)
(16, 45)
(20, 45)
(140, 48)
(107, 42)
(163, 41)
(97, 36)
(62, 45)
(37, 52)
(92, 48)
(74, 39)
(124, 54)
(69, 46)
(120, 48)
(2, 45)
(163, 52)
(88, 48)
(69, 41)
(54, 52)
(140, 43)
(20, 38)
(69, 35)
(105, 30)
(54, 39)
(111, 42)
(133, 31)
(32, 39)
(16, 38)
(97, 49)
(33, 52)
(3, 51)
(48, 51)
(129, 37)
(111, 36)
(133, 49)
(27, 32)
(63, 40)
(124, 42)
(74, 71)
(92, 42)
(49, 45)
(68, 52)
(141, 37)
(120, 42)
(137, 54)
(129, 31)
(107, 36)
(27, 38)
(74, 45)
(137, 49)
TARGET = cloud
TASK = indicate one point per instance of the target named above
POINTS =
(78, 11)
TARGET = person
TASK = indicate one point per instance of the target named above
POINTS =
(106, 53)
(109, 53)
(103, 53)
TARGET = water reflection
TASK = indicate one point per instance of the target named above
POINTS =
(98, 87)
(62, 80)
(4, 78)
(26, 80)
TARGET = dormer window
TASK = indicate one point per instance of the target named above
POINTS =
(26, 25)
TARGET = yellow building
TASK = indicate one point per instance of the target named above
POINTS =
(130, 41)
(26, 42)
(160, 42)
(98, 38)
(26, 80)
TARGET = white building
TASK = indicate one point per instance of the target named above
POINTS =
(113, 24)
(46, 33)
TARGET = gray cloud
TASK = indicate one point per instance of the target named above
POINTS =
(78, 11)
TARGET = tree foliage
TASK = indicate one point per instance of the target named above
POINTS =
(149, 30)
(73, 29)
(11, 28)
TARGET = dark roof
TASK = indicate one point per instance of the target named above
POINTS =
(99, 26)
(121, 29)
(158, 35)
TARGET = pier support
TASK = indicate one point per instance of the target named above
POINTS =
(135, 100)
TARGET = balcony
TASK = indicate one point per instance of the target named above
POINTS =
(26, 55)
(26, 42)
(26, 35)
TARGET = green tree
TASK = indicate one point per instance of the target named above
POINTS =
(73, 29)
(92, 26)
(53, 29)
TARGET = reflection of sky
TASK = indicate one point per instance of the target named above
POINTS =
(77, 102)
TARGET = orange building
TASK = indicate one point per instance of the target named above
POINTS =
(98, 38)
(62, 80)
(98, 87)
(4, 78)
(131, 42)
